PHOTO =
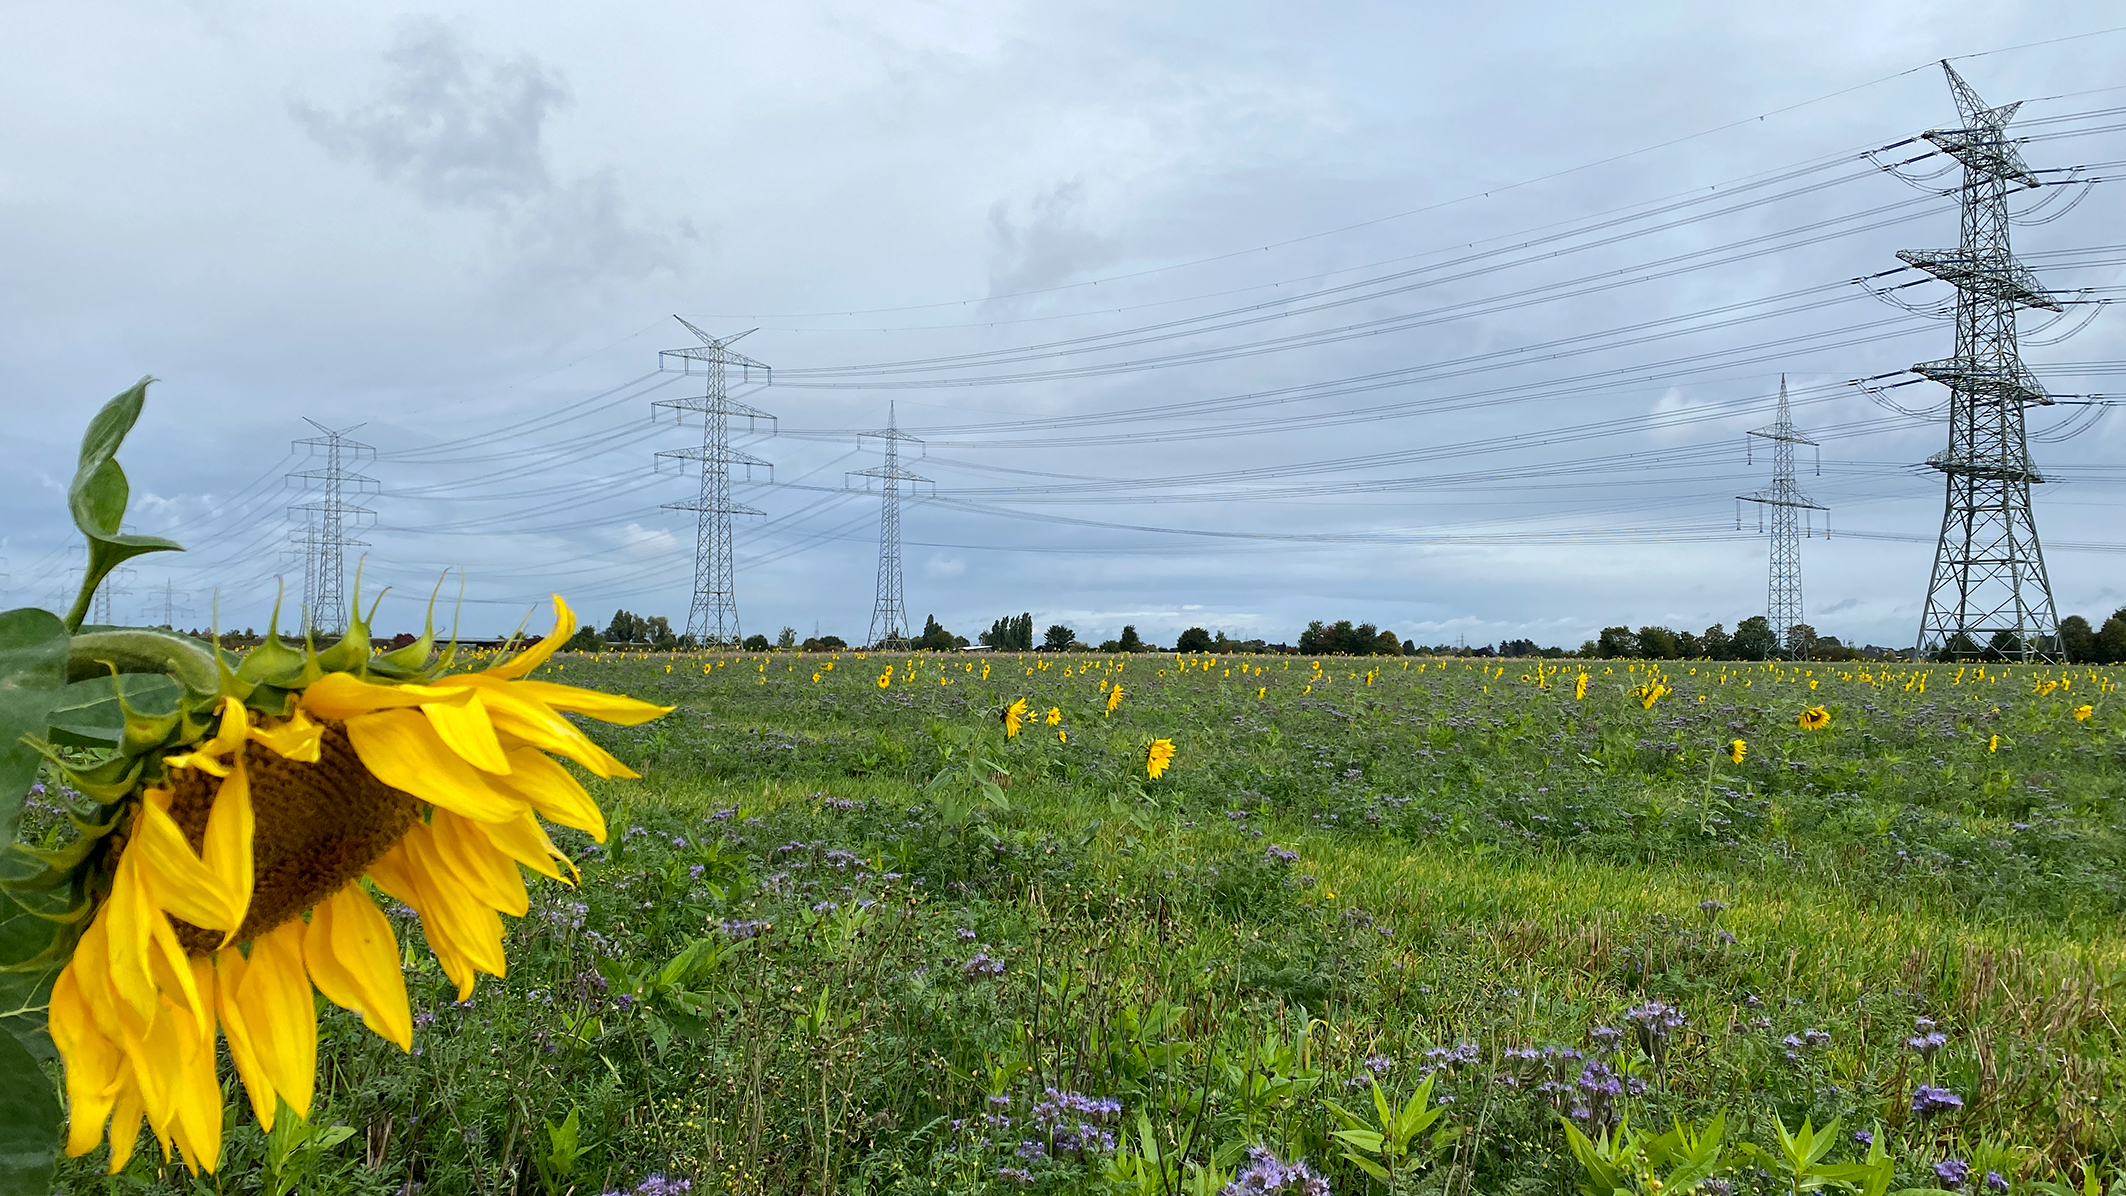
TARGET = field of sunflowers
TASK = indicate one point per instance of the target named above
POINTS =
(1149, 924)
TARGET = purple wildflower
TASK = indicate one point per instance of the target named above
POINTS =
(1952, 1172)
(1266, 1174)
(1928, 1101)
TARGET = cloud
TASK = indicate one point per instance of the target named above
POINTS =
(1052, 245)
(467, 130)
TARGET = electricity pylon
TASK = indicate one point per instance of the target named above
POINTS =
(712, 618)
(1989, 591)
(165, 608)
(333, 513)
(1786, 501)
(889, 612)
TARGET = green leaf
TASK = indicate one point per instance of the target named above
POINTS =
(88, 713)
(33, 647)
(29, 1123)
(99, 493)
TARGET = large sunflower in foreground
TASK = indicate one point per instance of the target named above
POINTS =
(236, 878)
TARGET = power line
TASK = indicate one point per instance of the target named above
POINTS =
(1785, 499)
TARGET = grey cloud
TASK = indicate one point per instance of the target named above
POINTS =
(464, 129)
(461, 128)
(1053, 244)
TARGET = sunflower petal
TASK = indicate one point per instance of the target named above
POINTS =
(125, 1126)
(274, 996)
(353, 958)
(464, 932)
(236, 1031)
(484, 872)
(228, 738)
(607, 708)
(298, 739)
(179, 881)
(527, 844)
(343, 695)
(534, 656)
(196, 1091)
(539, 725)
(548, 788)
(465, 727)
(401, 749)
(92, 1065)
(226, 850)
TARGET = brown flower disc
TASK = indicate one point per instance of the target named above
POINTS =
(318, 828)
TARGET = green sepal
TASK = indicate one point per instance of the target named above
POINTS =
(99, 494)
(273, 662)
(412, 662)
(93, 713)
(107, 780)
(353, 650)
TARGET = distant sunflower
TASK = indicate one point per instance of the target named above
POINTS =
(1055, 715)
(2083, 711)
(1015, 716)
(1736, 750)
(261, 835)
(1114, 698)
(1815, 718)
(1158, 757)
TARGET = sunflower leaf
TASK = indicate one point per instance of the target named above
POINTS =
(33, 646)
(99, 494)
(29, 1122)
(88, 713)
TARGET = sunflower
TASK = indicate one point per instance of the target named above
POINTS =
(1579, 688)
(241, 878)
(1815, 718)
(1158, 757)
(1736, 750)
(1015, 716)
(1055, 715)
(2083, 711)
(1114, 698)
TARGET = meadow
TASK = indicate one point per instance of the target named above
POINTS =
(868, 925)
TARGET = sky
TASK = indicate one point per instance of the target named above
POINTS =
(1449, 318)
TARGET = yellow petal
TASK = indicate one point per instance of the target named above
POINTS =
(484, 872)
(226, 849)
(228, 738)
(343, 695)
(464, 932)
(401, 749)
(608, 708)
(282, 1018)
(394, 874)
(296, 739)
(179, 881)
(549, 789)
(534, 656)
(197, 1092)
(353, 958)
(539, 725)
(465, 727)
(92, 1065)
(526, 843)
(125, 1127)
(230, 967)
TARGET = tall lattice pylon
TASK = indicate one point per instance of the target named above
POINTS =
(889, 610)
(712, 618)
(1989, 591)
(1788, 507)
(331, 515)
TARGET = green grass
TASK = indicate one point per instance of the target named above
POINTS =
(1482, 866)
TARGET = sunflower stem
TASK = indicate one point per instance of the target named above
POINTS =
(139, 650)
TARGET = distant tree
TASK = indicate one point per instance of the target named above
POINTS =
(1522, 647)
(627, 628)
(1958, 647)
(1659, 643)
(1754, 639)
(1195, 639)
(755, 643)
(586, 639)
(1058, 638)
(1012, 633)
(1129, 640)
(786, 638)
(2003, 645)
(2111, 639)
(1716, 644)
(1590, 648)
(823, 643)
(1801, 642)
(2078, 640)
(658, 631)
(935, 638)
(1223, 645)
(1617, 642)
(1689, 646)
(1387, 643)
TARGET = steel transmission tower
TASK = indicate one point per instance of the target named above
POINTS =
(712, 619)
(1786, 502)
(1989, 589)
(889, 612)
(335, 487)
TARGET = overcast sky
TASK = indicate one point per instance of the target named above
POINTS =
(1451, 318)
